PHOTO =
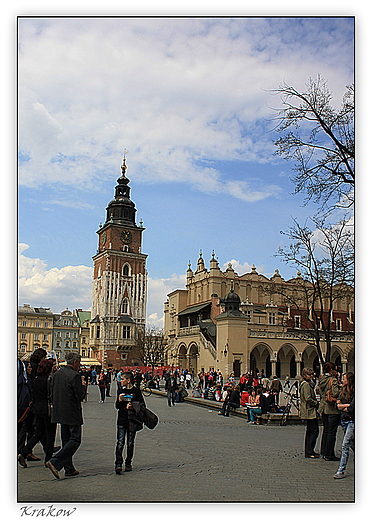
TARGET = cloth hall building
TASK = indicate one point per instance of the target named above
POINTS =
(238, 323)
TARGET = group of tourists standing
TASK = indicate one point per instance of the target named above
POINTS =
(335, 406)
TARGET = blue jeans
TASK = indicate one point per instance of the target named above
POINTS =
(330, 425)
(122, 432)
(71, 440)
(347, 443)
(253, 412)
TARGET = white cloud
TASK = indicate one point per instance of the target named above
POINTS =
(244, 268)
(71, 287)
(68, 287)
(172, 91)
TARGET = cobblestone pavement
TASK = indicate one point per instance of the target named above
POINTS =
(193, 455)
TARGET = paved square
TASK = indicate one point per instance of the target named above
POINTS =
(193, 455)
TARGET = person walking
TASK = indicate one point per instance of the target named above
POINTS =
(102, 383)
(171, 387)
(308, 412)
(108, 382)
(329, 393)
(126, 400)
(277, 386)
(68, 390)
(346, 405)
(45, 430)
(93, 376)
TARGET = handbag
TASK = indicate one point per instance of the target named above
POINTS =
(329, 397)
(150, 419)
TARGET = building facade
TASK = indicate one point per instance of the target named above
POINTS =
(35, 329)
(65, 334)
(119, 288)
(56, 333)
(238, 323)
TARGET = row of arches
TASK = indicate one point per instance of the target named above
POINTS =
(286, 361)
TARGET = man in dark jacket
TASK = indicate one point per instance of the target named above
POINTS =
(129, 396)
(171, 387)
(68, 391)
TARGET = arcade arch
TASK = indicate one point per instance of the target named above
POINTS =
(192, 355)
(286, 361)
(181, 356)
(260, 358)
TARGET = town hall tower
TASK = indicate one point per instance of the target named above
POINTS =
(119, 291)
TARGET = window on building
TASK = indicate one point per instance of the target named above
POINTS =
(74, 344)
(297, 322)
(83, 352)
(37, 324)
(67, 334)
(45, 337)
(125, 306)
(23, 349)
(23, 335)
(67, 344)
(249, 316)
(65, 322)
(83, 340)
(58, 344)
(272, 318)
(126, 332)
(46, 324)
(59, 334)
(75, 335)
(338, 324)
(36, 337)
(124, 356)
(126, 270)
(24, 323)
(98, 332)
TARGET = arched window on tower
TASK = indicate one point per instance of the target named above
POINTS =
(126, 270)
(125, 306)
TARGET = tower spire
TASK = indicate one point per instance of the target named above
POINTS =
(124, 165)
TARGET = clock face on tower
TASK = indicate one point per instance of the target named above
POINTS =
(126, 237)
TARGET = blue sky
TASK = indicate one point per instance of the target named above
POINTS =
(189, 99)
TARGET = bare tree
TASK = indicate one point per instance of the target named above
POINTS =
(320, 141)
(151, 346)
(325, 262)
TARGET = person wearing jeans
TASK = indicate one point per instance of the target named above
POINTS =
(171, 387)
(346, 405)
(329, 390)
(126, 430)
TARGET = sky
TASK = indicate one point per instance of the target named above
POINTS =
(190, 100)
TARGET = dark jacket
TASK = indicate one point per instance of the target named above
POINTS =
(40, 394)
(234, 398)
(67, 393)
(121, 406)
(171, 384)
(348, 415)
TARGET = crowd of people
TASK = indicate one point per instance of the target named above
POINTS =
(48, 396)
